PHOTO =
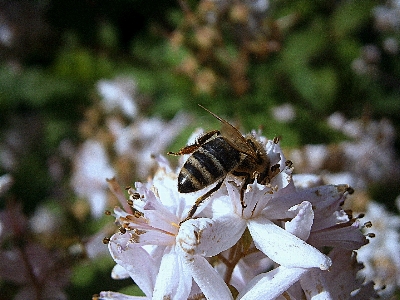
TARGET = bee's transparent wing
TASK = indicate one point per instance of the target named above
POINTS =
(233, 136)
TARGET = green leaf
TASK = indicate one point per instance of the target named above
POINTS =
(351, 16)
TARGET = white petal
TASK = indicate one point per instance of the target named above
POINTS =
(346, 237)
(132, 260)
(118, 296)
(314, 285)
(209, 237)
(284, 248)
(173, 280)
(119, 272)
(268, 286)
(210, 282)
(339, 282)
(301, 224)
(326, 200)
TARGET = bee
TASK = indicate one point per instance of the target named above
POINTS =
(217, 153)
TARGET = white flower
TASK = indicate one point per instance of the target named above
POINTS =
(91, 168)
(284, 113)
(145, 138)
(268, 248)
(339, 283)
(174, 254)
(119, 94)
(381, 257)
(6, 181)
(263, 205)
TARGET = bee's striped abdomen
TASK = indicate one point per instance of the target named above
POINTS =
(212, 161)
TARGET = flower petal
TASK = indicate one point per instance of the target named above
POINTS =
(343, 236)
(209, 237)
(210, 282)
(339, 282)
(118, 296)
(268, 286)
(173, 280)
(284, 248)
(301, 224)
(326, 200)
(119, 272)
(132, 260)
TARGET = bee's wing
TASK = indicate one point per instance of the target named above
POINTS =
(233, 136)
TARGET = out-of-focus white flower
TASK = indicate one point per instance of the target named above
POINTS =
(284, 113)
(145, 138)
(381, 258)
(118, 94)
(368, 157)
(6, 33)
(44, 220)
(371, 53)
(336, 120)
(91, 168)
(6, 182)
(259, 5)
(391, 45)
(387, 17)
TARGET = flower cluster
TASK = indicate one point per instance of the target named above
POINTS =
(119, 141)
(373, 57)
(291, 239)
(381, 258)
(368, 158)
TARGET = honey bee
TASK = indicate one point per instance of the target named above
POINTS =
(217, 153)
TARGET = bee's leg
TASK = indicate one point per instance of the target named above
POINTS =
(247, 180)
(206, 136)
(185, 150)
(201, 200)
(199, 141)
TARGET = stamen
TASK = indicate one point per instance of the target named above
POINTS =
(135, 195)
(368, 224)
(174, 224)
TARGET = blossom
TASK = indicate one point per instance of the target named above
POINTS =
(263, 206)
(6, 182)
(381, 258)
(88, 180)
(284, 113)
(174, 253)
(144, 138)
(368, 157)
(271, 246)
(119, 94)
